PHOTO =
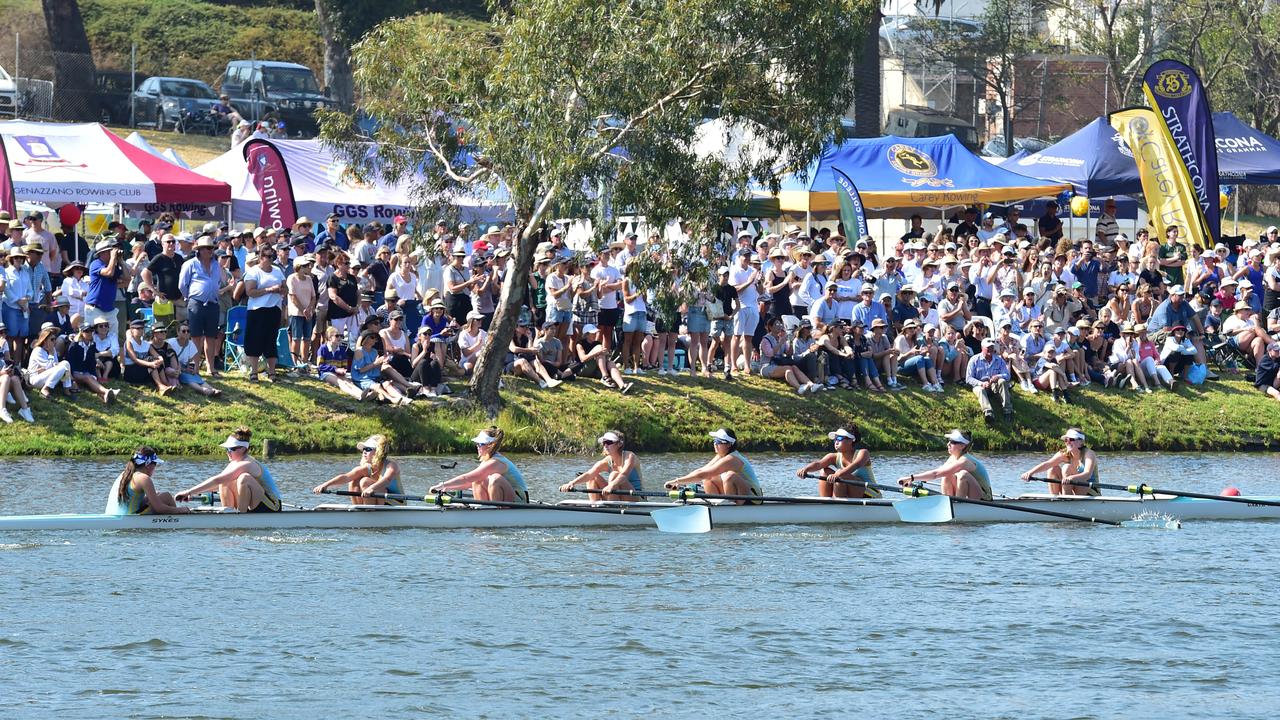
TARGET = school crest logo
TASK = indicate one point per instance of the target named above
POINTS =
(1172, 84)
(917, 164)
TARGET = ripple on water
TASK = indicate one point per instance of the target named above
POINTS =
(278, 539)
(152, 644)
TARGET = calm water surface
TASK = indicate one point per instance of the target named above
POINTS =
(1007, 621)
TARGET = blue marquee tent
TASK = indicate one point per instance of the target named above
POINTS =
(1245, 156)
(898, 172)
(1093, 159)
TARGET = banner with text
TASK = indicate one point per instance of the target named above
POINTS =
(1180, 100)
(852, 213)
(270, 178)
(1170, 198)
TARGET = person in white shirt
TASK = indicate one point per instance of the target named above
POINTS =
(608, 285)
(38, 235)
(1243, 331)
(744, 279)
(264, 284)
(75, 287)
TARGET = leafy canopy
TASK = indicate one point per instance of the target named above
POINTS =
(555, 97)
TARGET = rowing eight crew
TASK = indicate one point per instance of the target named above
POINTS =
(246, 485)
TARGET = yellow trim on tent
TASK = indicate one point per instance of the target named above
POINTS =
(800, 201)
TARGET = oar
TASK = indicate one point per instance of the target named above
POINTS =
(926, 506)
(688, 494)
(663, 518)
(1145, 489)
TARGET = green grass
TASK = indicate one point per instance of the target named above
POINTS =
(662, 415)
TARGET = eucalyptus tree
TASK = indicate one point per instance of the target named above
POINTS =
(555, 98)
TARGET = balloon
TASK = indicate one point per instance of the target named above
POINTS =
(69, 215)
(1079, 206)
(1223, 200)
(97, 224)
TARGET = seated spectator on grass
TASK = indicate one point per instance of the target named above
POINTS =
(1050, 375)
(333, 364)
(804, 349)
(551, 352)
(955, 355)
(1266, 376)
(428, 371)
(82, 357)
(107, 351)
(1010, 348)
(142, 364)
(471, 339)
(913, 358)
(1149, 357)
(988, 375)
(397, 344)
(45, 369)
(1242, 332)
(842, 371)
(594, 361)
(863, 358)
(1177, 354)
(522, 359)
(186, 361)
(367, 368)
(777, 362)
(11, 382)
(883, 353)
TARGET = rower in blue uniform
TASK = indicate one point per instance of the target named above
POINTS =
(1074, 467)
(376, 473)
(849, 460)
(728, 473)
(244, 485)
(619, 469)
(134, 492)
(495, 478)
(962, 475)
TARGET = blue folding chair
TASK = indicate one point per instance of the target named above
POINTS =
(233, 346)
(284, 356)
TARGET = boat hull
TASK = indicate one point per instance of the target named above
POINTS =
(339, 517)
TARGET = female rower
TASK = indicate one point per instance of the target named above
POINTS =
(375, 474)
(495, 478)
(851, 460)
(962, 475)
(244, 484)
(1074, 466)
(619, 469)
(134, 493)
(728, 473)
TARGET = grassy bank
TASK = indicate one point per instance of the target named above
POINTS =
(663, 415)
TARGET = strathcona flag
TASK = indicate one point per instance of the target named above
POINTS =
(271, 179)
(1170, 197)
(1179, 99)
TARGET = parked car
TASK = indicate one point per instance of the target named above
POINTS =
(275, 91)
(114, 90)
(917, 121)
(173, 103)
(8, 94)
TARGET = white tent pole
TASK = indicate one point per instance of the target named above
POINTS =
(1235, 212)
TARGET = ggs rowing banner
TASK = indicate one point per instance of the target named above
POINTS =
(1176, 93)
(271, 180)
(1170, 199)
(852, 214)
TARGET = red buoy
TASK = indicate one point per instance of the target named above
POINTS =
(1231, 491)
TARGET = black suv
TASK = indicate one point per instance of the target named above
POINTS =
(275, 91)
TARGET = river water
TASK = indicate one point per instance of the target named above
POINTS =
(1000, 621)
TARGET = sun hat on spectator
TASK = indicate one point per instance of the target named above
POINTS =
(910, 323)
(884, 296)
(878, 322)
(1177, 290)
(589, 328)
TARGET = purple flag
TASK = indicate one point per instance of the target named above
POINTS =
(271, 179)
(8, 202)
(1179, 98)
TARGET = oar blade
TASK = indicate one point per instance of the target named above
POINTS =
(686, 519)
(929, 509)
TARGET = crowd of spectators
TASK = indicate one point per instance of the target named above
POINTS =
(389, 314)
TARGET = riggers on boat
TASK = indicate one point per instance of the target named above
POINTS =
(573, 513)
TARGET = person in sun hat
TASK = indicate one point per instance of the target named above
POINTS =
(1074, 467)
(495, 477)
(618, 470)
(375, 473)
(961, 475)
(727, 473)
(848, 460)
(245, 484)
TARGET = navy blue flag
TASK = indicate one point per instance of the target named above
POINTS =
(852, 213)
(1179, 98)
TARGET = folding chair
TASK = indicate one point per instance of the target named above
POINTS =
(284, 356)
(148, 316)
(233, 346)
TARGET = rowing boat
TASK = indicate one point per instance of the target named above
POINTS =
(854, 511)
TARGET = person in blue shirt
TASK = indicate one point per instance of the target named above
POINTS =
(106, 273)
(1174, 311)
(1086, 270)
(867, 309)
(400, 226)
(903, 308)
(988, 375)
(332, 233)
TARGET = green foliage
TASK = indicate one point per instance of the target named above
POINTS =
(190, 38)
(675, 277)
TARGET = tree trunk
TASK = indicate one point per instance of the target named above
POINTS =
(867, 111)
(337, 60)
(484, 380)
(75, 94)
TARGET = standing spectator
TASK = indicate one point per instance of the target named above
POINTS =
(332, 233)
(1050, 225)
(163, 274)
(1172, 256)
(744, 279)
(301, 294)
(75, 287)
(608, 280)
(988, 375)
(265, 286)
(725, 305)
(1107, 228)
(16, 309)
(200, 281)
(36, 234)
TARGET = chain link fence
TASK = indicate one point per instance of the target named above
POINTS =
(47, 84)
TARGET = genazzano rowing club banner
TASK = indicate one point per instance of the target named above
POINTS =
(1170, 198)
(1179, 98)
